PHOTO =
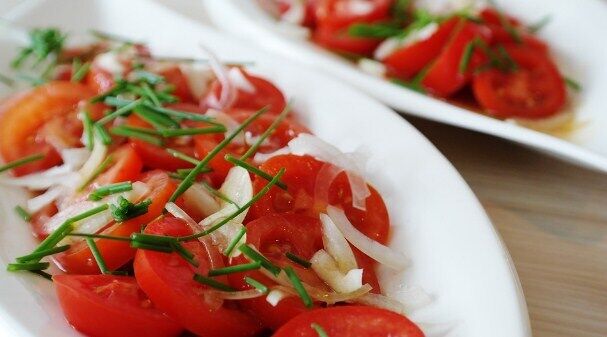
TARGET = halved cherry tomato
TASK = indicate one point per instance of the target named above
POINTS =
(350, 321)
(168, 280)
(175, 77)
(126, 166)
(338, 40)
(110, 306)
(265, 94)
(501, 35)
(444, 77)
(99, 80)
(156, 157)
(302, 177)
(275, 235)
(409, 60)
(343, 13)
(534, 90)
(23, 118)
(79, 260)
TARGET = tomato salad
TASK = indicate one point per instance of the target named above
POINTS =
(477, 57)
(179, 196)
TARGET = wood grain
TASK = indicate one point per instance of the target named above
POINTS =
(553, 218)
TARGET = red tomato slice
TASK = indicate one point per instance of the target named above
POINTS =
(274, 236)
(301, 177)
(443, 77)
(99, 80)
(265, 94)
(501, 35)
(350, 321)
(156, 157)
(342, 13)
(408, 61)
(338, 40)
(127, 167)
(24, 117)
(534, 90)
(310, 10)
(110, 306)
(168, 280)
(79, 260)
(175, 77)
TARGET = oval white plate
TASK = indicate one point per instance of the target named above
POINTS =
(457, 255)
(573, 34)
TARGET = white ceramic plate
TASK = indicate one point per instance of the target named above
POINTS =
(457, 255)
(574, 33)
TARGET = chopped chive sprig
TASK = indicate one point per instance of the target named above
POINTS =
(230, 248)
(257, 257)
(97, 255)
(43, 253)
(256, 284)
(256, 171)
(21, 162)
(107, 190)
(212, 283)
(235, 269)
(299, 260)
(25, 215)
(299, 288)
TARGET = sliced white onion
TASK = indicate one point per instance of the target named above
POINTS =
(240, 81)
(230, 123)
(39, 202)
(337, 246)
(306, 144)
(382, 254)
(94, 161)
(238, 188)
(240, 295)
(228, 91)
(109, 62)
(262, 157)
(75, 157)
(177, 212)
(275, 296)
(390, 45)
(355, 7)
(199, 76)
(43, 180)
(381, 301)
(197, 197)
(412, 297)
(326, 268)
(372, 67)
(296, 12)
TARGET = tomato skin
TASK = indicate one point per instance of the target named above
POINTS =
(266, 94)
(534, 90)
(443, 77)
(109, 306)
(337, 14)
(168, 280)
(175, 77)
(99, 80)
(339, 41)
(405, 62)
(24, 117)
(350, 321)
(500, 34)
(302, 173)
(275, 235)
(127, 167)
(79, 259)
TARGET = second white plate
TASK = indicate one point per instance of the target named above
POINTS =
(574, 34)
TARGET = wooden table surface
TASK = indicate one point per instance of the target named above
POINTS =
(552, 216)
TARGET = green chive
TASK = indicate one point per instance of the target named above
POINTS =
(102, 133)
(147, 246)
(139, 133)
(27, 266)
(117, 101)
(185, 254)
(572, 84)
(43, 274)
(299, 260)
(182, 156)
(511, 30)
(89, 135)
(467, 55)
(230, 248)
(148, 77)
(253, 200)
(37, 256)
(79, 71)
(180, 114)
(253, 169)
(257, 257)
(23, 213)
(119, 87)
(256, 284)
(20, 162)
(319, 330)
(150, 94)
(305, 297)
(192, 131)
(100, 236)
(189, 180)
(123, 110)
(100, 169)
(267, 133)
(157, 120)
(153, 239)
(127, 210)
(218, 194)
(377, 30)
(235, 269)
(97, 255)
(212, 283)
(106, 190)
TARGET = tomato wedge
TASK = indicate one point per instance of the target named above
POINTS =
(444, 77)
(534, 90)
(168, 280)
(79, 260)
(175, 77)
(500, 33)
(110, 306)
(350, 321)
(409, 60)
(99, 80)
(24, 118)
(275, 235)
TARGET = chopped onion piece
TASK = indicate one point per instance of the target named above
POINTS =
(177, 212)
(337, 246)
(275, 296)
(75, 157)
(109, 62)
(377, 251)
(45, 179)
(37, 203)
(199, 198)
(240, 295)
(230, 123)
(94, 161)
(391, 45)
(240, 81)
(326, 268)
(262, 157)
(415, 299)
(228, 91)
(199, 76)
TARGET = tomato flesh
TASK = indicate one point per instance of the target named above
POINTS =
(350, 321)
(109, 306)
(168, 280)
